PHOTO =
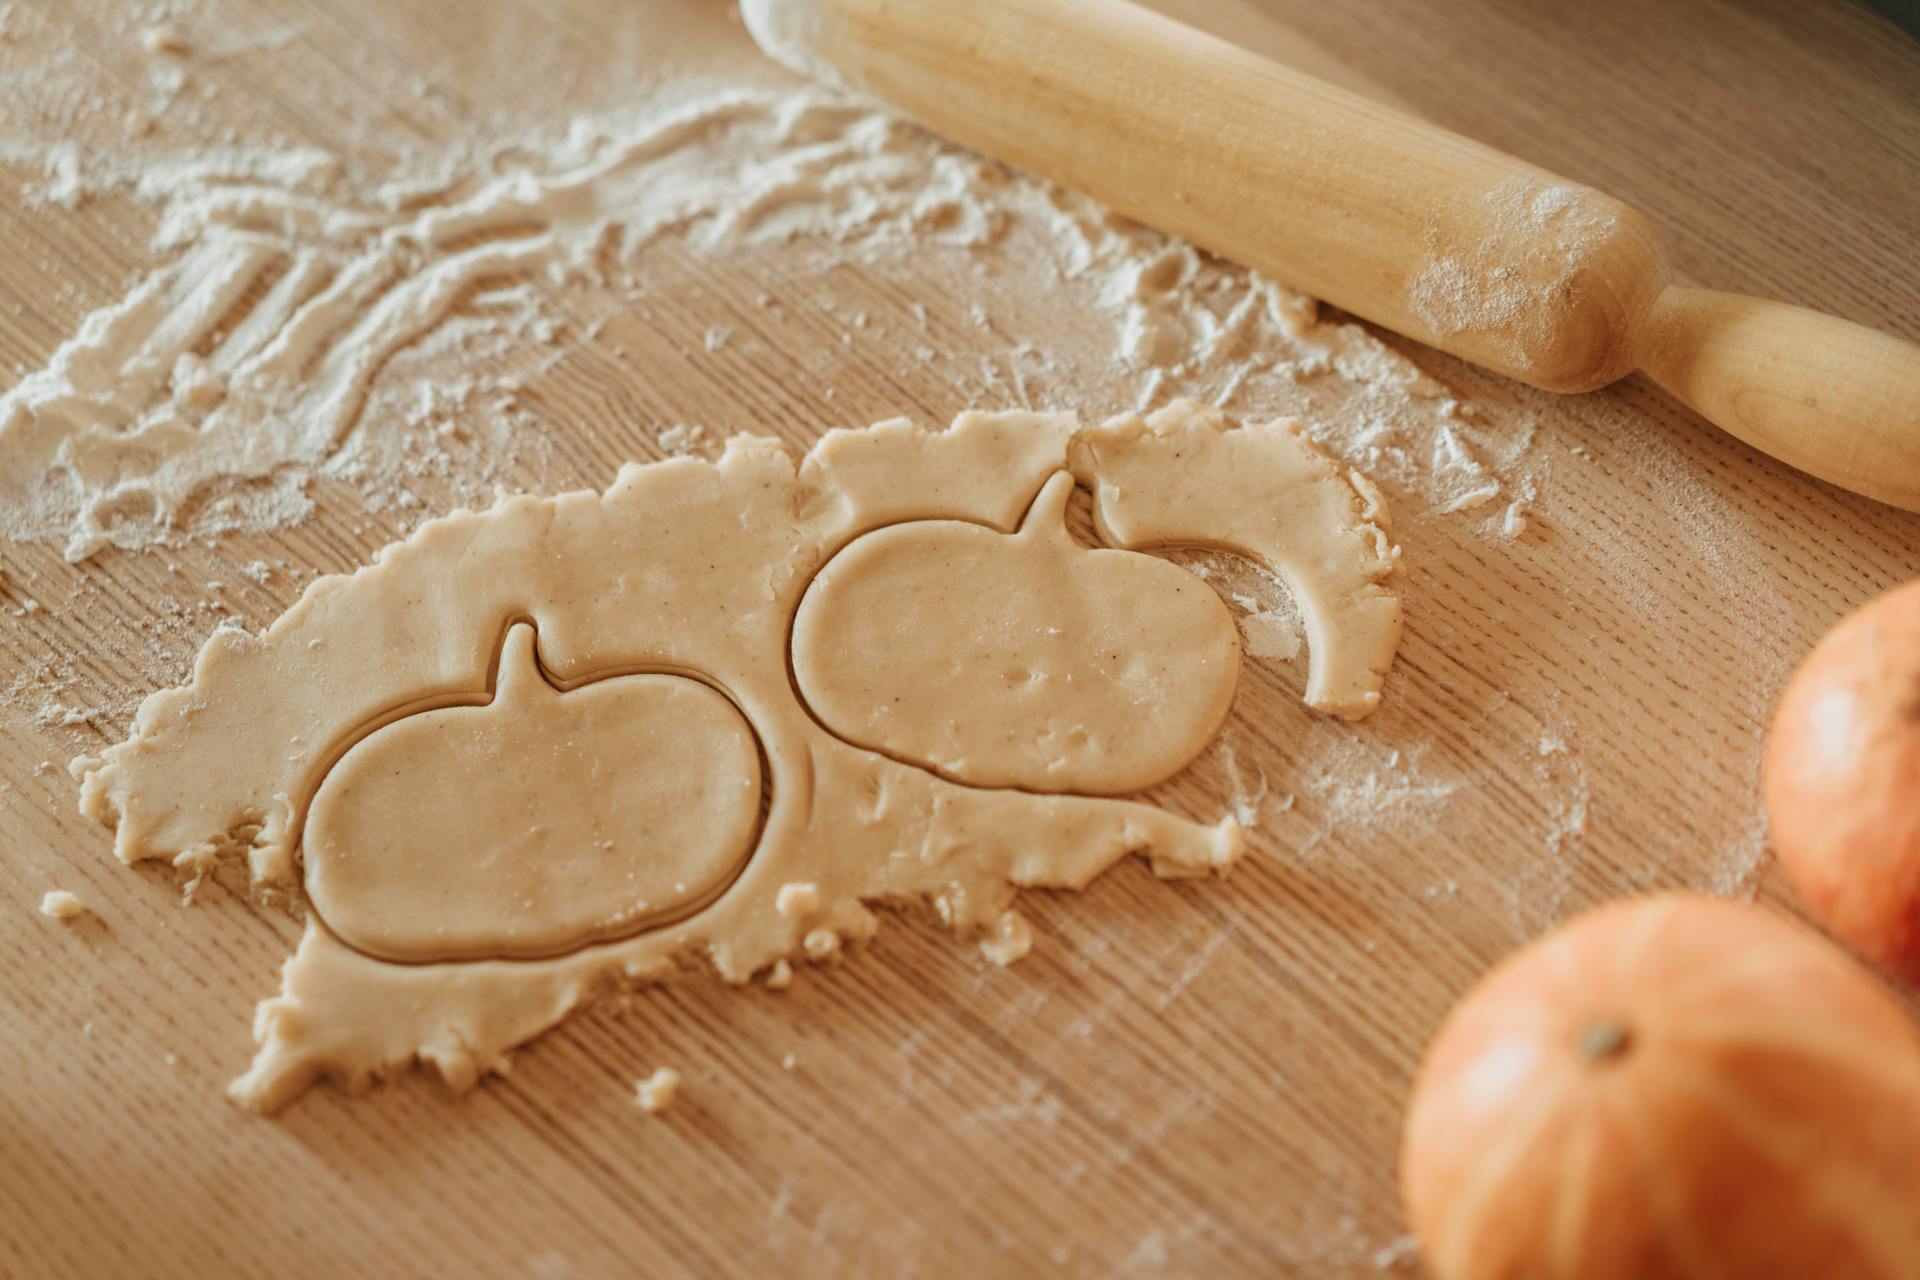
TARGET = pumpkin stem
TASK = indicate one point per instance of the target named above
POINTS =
(1604, 1040)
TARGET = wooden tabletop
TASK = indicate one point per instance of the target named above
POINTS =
(1182, 1079)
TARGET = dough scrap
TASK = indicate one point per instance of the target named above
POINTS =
(58, 904)
(1181, 477)
(658, 1091)
(684, 575)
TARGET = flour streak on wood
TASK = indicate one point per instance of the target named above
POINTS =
(1180, 1079)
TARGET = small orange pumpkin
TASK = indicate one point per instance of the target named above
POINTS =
(1674, 1086)
(1843, 781)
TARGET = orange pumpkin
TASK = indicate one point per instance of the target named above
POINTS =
(1674, 1086)
(1843, 781)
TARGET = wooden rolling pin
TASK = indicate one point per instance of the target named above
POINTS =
(1410, 226)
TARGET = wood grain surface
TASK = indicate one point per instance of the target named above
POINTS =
(1188, 1079)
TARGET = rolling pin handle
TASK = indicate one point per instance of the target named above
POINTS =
(1836, 399)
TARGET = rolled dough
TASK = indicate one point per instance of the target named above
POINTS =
(683, 752)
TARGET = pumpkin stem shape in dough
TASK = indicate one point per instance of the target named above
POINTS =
(1016, 660)
(538, 822)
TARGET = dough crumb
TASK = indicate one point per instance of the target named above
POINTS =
(159, 40)
(657, 1092)
(1010, 938)
(780, 977)
(1397, 1254)
(821, 943)
(797, 900)
(789, 1062)
(680, 439)
(61, 905)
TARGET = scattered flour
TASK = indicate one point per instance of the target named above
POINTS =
(1514, 522)
(1272, 634)
(1359, 784)
(1349, 784)
(1271, 628)
(1469, 483)
(1249, 800)
(303, 317)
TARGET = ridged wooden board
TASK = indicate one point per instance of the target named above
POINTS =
(1183, 1079)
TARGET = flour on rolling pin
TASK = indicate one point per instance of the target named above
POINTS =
(1512, 281)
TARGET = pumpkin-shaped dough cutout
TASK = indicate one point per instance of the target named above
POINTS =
(1016, 660)
(537, 823)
